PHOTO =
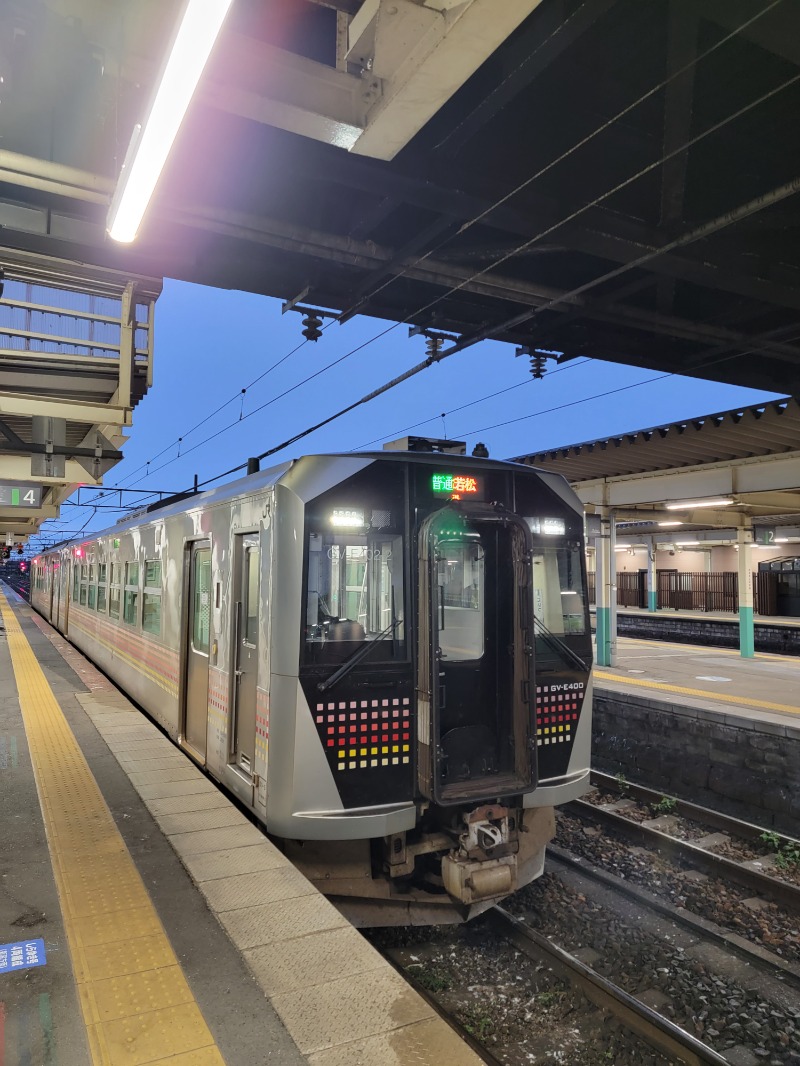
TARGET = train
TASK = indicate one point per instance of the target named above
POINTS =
(384, 656)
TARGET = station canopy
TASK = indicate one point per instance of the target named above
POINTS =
(603, 178)
(736, 468)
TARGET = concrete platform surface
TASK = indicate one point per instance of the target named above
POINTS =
(765, 688)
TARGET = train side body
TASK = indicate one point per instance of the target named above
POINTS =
(391, 674)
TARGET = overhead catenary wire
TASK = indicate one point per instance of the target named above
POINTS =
(472, 403)
(727, 219)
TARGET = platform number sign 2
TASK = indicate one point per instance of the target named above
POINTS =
(764, 534)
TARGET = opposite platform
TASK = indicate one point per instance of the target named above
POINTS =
(175, 931)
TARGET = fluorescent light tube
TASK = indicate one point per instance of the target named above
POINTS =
(670, 523)
(151, 143)
(688, 504)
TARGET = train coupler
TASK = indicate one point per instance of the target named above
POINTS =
(470, 881)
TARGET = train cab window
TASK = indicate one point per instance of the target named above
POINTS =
(460, 610)
(102, 570)
(151, 598)
(91, 598)
(355, 594)
(558, 595)
(130, 608)
(114, 591)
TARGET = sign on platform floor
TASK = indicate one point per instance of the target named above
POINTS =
(22, 956)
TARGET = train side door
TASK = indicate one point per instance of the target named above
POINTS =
(197, 637)
(62, 575)
(247, 571)
(54, 590)
(475, 661)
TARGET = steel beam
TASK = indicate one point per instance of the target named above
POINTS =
(73, 411)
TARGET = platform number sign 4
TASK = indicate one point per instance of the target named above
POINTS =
(20, 494)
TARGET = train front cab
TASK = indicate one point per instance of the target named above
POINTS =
(447, 741)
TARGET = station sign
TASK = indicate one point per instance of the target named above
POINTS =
(20, 494)
(764, 534)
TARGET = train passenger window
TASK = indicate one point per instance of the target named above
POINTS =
(102, 570)
(151, 598)
(460, 580)
(114, 591)
(355, 593)
(558, 593)
(130, 603)
(84, 575)
(76, 581)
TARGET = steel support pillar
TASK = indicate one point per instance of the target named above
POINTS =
(744, 540)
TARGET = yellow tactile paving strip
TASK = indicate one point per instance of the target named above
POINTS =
(136, 1003)
(702, 693)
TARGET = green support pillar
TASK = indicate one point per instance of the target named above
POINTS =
(652, 577)
(747, 642)
(603, 580)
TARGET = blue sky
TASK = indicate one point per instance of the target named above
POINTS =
(210, 344)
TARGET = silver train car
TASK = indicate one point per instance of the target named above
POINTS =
(386, 657)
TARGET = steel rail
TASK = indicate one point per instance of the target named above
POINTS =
(651, 1026)
(753, 954)
(783, 892)
(715, 819)
(392, 955)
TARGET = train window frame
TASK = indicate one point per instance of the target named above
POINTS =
(102, 597)
(130, 598)
(84, 575)
(320, 616)
(453, 562)
(560, 625)
(152, 597)
(91, 592)
(115, 592)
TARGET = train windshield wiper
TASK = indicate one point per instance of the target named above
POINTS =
(557, 642)
(356, 657)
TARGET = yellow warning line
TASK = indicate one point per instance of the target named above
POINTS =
(136, 1003)
(744, 701)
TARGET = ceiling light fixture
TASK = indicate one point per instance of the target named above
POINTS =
(689, 504)
(151, 142)
(670, 523)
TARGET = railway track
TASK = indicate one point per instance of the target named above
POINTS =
(766, 961)
(657, 1031)
(676, 849)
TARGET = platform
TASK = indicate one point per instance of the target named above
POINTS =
(778, 633)
(764, 688)
(152, 922)
(706, 724)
